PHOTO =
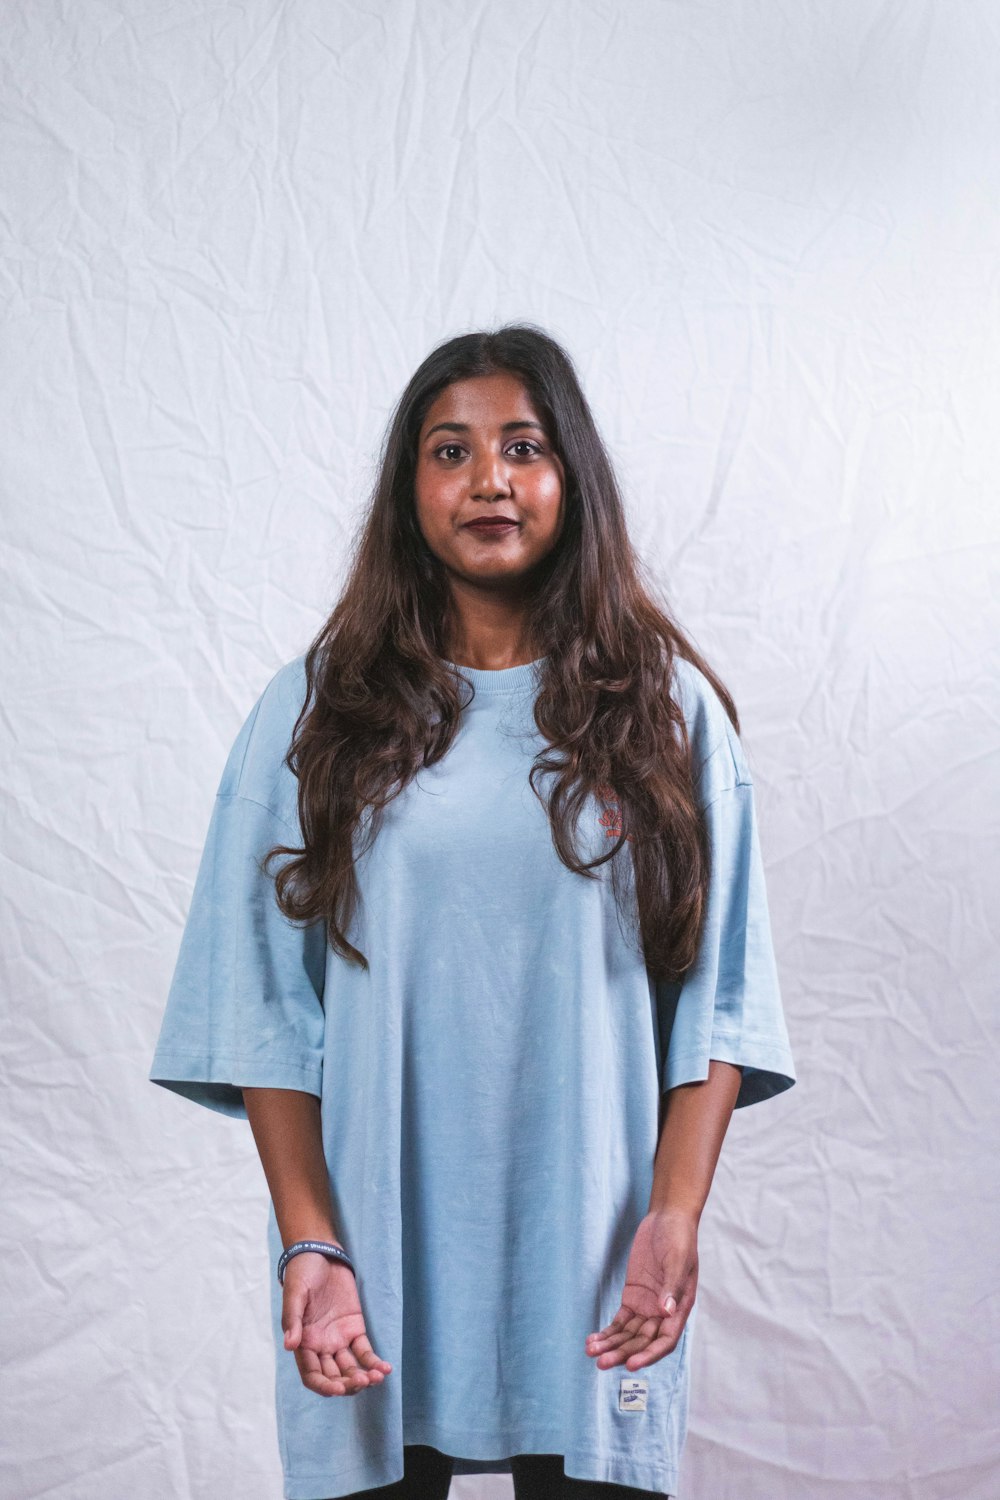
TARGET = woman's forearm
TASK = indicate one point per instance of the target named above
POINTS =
(286, 1127)
(694, 1126)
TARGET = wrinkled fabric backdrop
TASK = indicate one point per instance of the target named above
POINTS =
(768, 236)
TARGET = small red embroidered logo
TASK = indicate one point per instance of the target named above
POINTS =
(611, 818)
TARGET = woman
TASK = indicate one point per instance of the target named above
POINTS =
(490, 1016)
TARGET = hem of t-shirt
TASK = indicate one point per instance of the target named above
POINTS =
(770, 1064)
(578, 1463)
(183, 1072)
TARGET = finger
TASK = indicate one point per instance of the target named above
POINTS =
(677, 1317)
(344, 1385)
(322, 1387)
(606, 1346)
(292, 1321)
(678, 1298)
(363, 1349)
(339, 1384)
(613, 1356)
(653, 1352)
(634, 1344)
(609, 1340)
(658, 1336)
(622, 1327)
(313, 1376)
(367, 1356)
(372, 1366)
(622, 1318)
(350, 1368)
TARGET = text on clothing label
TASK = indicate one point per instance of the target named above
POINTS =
(632, 1395)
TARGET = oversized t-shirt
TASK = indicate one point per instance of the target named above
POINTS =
(490, 1086)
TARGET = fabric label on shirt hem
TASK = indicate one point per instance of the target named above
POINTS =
(632, 1395)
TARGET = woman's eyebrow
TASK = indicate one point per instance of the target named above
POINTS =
(464, 426)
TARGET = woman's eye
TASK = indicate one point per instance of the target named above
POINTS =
(449, 450)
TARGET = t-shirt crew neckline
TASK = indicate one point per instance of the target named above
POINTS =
(499, 679)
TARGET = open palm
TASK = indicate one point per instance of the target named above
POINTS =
(662, 1265)
(325, 1328)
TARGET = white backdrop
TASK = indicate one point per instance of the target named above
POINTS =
(768, 234)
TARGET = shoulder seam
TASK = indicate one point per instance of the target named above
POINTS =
(722, 792)
(242, 797)
(252, 726)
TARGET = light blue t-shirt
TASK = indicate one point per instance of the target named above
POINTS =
(490, 1087)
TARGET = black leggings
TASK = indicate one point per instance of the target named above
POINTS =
(537, 1476)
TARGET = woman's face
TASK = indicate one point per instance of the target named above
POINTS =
(483, 455)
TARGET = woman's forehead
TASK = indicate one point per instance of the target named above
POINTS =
(483, 399)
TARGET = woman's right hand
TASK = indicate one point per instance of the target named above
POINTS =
(325, 1328)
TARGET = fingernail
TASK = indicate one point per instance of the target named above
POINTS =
(669, 1305)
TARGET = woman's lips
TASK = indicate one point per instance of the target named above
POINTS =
(491, 528)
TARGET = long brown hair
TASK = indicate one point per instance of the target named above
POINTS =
(381, 701)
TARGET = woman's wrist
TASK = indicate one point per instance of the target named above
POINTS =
(689, 1212)
(335, 1255)
(291, 1234)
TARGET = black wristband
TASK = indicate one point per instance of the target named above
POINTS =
(332, 1252)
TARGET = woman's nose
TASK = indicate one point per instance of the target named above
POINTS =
(490, 476)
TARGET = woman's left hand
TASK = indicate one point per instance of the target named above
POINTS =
(661, 1280)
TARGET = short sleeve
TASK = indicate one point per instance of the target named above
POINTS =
(245, 1005)
(728, 1005)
